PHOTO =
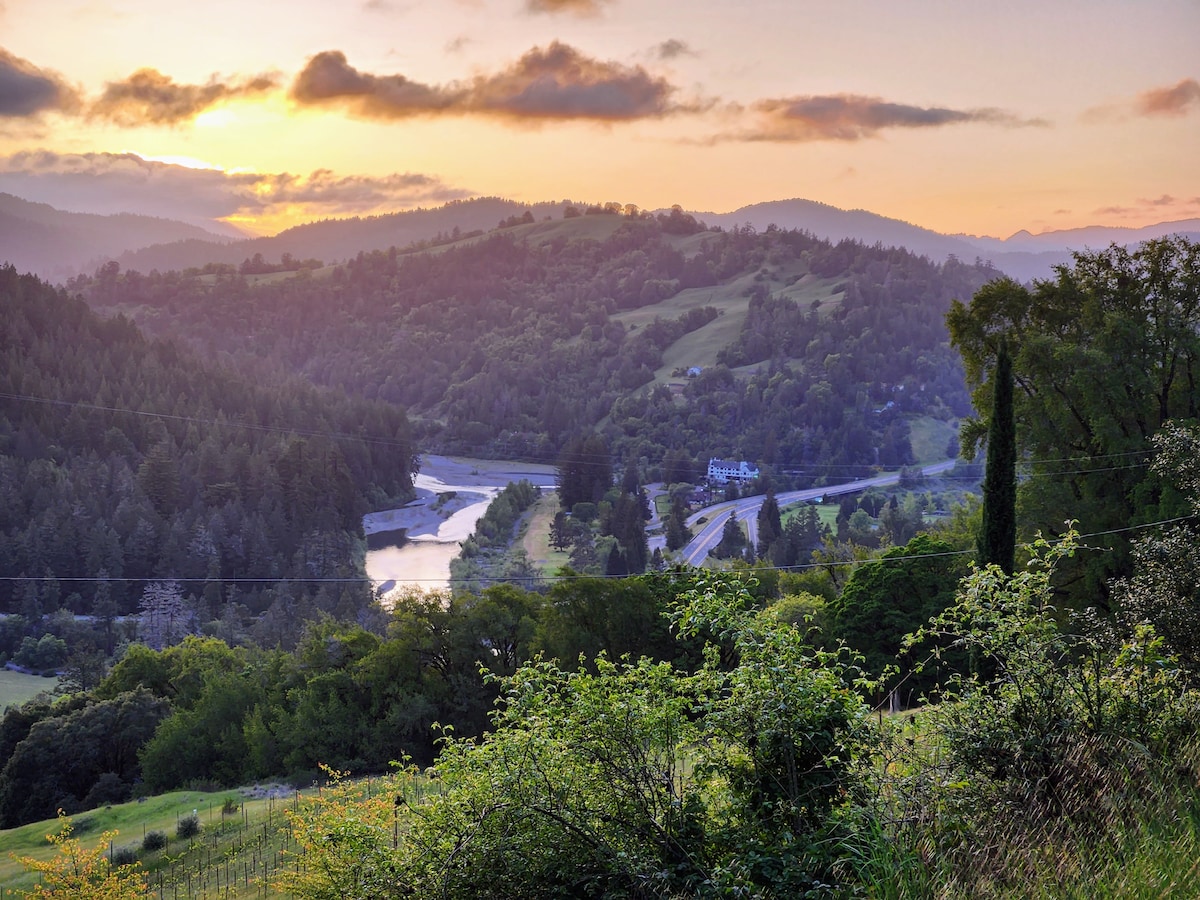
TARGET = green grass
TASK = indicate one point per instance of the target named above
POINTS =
(237, 850)
(700, 347)
(17, 688)
(826, 513)
(929, 437)
(536, 539)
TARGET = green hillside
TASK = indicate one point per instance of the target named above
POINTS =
(243, 841)
(510, 342)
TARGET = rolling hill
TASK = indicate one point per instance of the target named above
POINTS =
(55, 244)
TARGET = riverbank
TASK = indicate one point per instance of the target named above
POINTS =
(452, 494)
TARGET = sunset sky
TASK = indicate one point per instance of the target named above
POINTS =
(983, 118)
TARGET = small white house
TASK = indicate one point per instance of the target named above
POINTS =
(723, 471)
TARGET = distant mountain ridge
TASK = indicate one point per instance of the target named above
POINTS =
(56, 244)
(834, 224)
(1093, 236)
(1023, 255)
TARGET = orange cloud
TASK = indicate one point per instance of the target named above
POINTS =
(1169, 101)
(576, 7)
(555, 82)
(852, 117)
(26, 90)
(148, 97)
(125, 182)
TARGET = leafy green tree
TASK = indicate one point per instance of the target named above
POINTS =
(621, 779)
(63, 757)
(1102, 356)
(585, 471)
(733, 539)
(1164, 588)
(560, 533)
(885, 600)
(675, 523)
(588, 616)
(1048, 713)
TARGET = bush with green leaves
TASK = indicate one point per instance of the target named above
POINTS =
(153, 841)
(187, 827)
(1054, 738)
(626, 779)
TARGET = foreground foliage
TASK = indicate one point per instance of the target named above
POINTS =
(625, 780)
(1058, 753)
(76, 873)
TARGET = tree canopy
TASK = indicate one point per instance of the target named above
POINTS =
(1103, 355)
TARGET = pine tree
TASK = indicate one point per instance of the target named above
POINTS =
(997, 539)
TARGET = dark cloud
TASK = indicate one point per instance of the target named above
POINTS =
(852, 117)
(26, 90)
(573, 7)
(1169, 101)
(148, 97)
(108, 183)
(555, 82)
(329, 78)
(673, 48)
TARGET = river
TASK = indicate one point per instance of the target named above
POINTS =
(452, 495)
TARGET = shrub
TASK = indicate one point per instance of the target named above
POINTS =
(621, 779)
(154, 840)
(79, 872)
(188, 827)
(124, 856)
(229, 807)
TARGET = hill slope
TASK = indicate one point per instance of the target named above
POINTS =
(125, 460)
(56, 244)
(335, 240)
(512, 342)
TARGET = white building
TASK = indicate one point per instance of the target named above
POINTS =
(722, 471)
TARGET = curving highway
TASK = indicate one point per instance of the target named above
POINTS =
(747, 509)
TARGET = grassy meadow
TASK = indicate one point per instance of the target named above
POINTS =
(535, 538)
(17, 688)
(238, 846)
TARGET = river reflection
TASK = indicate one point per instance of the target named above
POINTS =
(434, 534)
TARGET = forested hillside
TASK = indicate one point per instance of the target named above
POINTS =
(126, 461)
(808, 354)
(56, 244)
(338, 239)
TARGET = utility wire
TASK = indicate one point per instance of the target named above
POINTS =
(229, 423)
(586, 457)
(542, 578)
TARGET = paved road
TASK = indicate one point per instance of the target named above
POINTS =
(747, 510)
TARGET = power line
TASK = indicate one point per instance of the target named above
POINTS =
(226, 423)
(583, 457)
(125, 579)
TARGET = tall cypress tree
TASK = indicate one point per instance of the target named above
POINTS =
(997, 539)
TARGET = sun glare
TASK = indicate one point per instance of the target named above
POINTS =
(188, 162)
(218, 117)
